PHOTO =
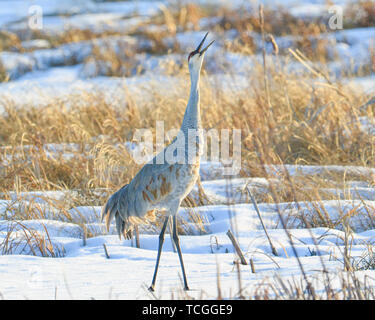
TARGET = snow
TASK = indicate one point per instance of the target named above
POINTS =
(13, 10)
(36, 44)
(49, 252)
(95, 22)
(143, 8)
(123, 275)
(367, 84)
(86, 214)
(368, 124)
(309, 170)
(17, 64)
(40, 88)
(80, 270)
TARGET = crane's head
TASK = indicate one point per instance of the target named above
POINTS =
(195, 58)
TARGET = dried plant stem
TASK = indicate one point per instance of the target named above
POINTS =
(266, 86)
(106, 251)
(236, 247)
(273, 249)
(84, 235)
(252, 265)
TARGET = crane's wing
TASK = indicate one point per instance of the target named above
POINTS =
(152, 184)
(135, 202)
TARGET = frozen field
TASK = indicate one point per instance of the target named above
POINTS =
(52, 247)
(80, 270)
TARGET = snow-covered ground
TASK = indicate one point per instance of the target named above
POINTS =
(79, 268)
(60, 254)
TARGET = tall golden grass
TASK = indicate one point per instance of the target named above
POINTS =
(285, 118)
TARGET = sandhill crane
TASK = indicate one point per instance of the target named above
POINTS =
(164, 186)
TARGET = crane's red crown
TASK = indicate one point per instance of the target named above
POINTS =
(191, 54)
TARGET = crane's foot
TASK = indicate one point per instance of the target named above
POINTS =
(186, 288)
(151, 288)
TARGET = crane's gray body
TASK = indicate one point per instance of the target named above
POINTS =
(156, 186)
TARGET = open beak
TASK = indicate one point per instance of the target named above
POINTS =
(198, 50)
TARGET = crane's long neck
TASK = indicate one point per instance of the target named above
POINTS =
(192, 117)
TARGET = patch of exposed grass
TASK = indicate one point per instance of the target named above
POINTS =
(9, 41)
(300, 124)
(359, 14)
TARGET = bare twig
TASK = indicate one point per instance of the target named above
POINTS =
(273, 249)
(252, 265)
(236, 247)
(84, 235)
(105, 251)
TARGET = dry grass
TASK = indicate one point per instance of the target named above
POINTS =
(360, 14)
(297, 123)
(23, 240)
(282, 133)
(285, 118)
(9, 41)
(302, 126)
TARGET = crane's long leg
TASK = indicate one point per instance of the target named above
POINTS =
(161, 241)
(170, 225)
(177, 243)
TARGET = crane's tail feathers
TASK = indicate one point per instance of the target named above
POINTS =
(114, 208)
(117, 207)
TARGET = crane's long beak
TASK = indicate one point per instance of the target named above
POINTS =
(201, 44)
